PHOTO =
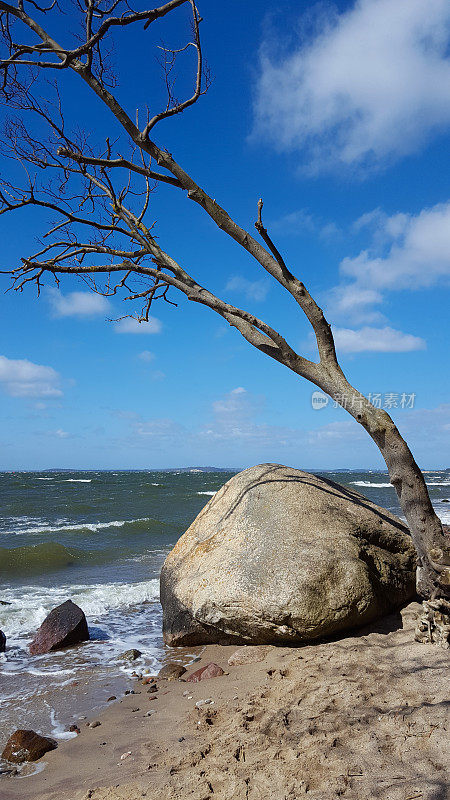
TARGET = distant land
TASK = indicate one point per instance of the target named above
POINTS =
(144, 469)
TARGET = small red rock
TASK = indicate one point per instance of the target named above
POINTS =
(74, 729)
(211, 670)
(26, 745)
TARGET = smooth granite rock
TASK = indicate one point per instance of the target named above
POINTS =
(280, 556)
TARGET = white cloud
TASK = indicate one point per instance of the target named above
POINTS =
(294, 223)
(376, 340)
(131, 325)
(233, 427)
(23, 378)
(408, 252)
(158, 375)
(161, 430)
(353, 302)
(372, 83)
(252, 290)
(336, 432)
(419, 253)
(61, 434)
(77, 304)
(302, 221)
(427, 431)
(234, 434)
(146, 356)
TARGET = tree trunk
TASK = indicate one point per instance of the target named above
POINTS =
(431, 543)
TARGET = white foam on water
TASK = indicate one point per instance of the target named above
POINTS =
(155, 484)
(90, 526)
(58, 730)
(208, 493)
(385, 485)
(45, 479)
(77, 480)
(49, 673)
(34, 770)
(374, 485)
(27, 612)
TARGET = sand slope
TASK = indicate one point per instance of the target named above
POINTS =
(363, 717)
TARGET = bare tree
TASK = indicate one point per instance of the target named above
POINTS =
(99, 197)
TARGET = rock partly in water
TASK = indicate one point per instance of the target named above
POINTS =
(210, 671)
(74, 729)
(2, 642)
(65, 625)
(280, 556)
(171, 672)
(26, 745)
(249, 654)
(131, 655)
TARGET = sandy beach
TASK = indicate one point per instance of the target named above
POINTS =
(360, 717)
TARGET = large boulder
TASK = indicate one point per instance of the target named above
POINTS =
(26, 745)
(2, 642)
(282, 556)
(64, 626)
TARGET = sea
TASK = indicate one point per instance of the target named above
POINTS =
(100, 539)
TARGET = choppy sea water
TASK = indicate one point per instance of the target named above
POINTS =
(100, 538)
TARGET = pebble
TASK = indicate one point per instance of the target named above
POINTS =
(125, 755)
(171, 672)
(113, 697)
(94, 724)
(74, 729)
(208, 702)
(149, 713)
(130, 655)
(135, 709)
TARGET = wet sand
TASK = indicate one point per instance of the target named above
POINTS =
(360, 717)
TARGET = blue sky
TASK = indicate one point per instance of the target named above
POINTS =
(339, 117)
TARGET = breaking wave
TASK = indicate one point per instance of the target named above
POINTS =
(374, 485)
